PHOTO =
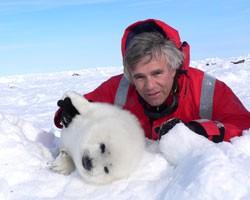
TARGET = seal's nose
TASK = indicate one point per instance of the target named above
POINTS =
(87, 163)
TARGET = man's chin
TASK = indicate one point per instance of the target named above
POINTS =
(154, 102)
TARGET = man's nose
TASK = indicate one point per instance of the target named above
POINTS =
(149, 83)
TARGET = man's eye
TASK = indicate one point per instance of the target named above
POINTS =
(139, 77)
(158, 73)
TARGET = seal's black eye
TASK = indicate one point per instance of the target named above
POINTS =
(102, 147)
(106, 170)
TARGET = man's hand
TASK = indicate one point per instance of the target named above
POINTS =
(68, 111)
(167, 126)
(194, 126)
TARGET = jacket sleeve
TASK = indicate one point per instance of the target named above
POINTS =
(104, 93)
(57, 120)
(229, 116)
(212, 130)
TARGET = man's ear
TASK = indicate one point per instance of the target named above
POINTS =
(173, 72)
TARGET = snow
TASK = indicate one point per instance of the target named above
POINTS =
(29, 143)
(205, 170)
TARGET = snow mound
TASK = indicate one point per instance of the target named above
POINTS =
(207, 171)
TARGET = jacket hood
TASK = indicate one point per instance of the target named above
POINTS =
(167, 31)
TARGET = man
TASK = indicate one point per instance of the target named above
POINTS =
(160, 88)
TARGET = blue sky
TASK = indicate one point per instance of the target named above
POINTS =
(39, 36)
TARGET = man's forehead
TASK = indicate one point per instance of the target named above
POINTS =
(147, 69)
(150, 61)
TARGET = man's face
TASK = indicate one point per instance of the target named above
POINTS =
(153, 80)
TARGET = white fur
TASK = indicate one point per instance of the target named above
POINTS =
(100, 123)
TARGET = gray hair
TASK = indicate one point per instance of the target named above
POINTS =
(152, 45)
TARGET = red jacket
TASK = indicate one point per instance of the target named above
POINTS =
(200, 97)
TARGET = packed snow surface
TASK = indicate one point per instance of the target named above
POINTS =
(172, 169)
